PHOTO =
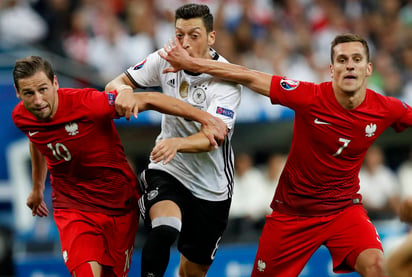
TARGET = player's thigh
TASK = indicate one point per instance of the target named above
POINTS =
(188, 268)
(165, 208)
(203, 224)
(120, 237)
(370, 262)
(286, 244)
(81, 237)
(162, 196)
(349, 235)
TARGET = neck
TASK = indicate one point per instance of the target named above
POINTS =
(349, 100)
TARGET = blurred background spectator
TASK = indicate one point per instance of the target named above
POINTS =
(379, 186)
(249, 201)
(20, 24)
(271, 172)
(405, 176)
(254, 188)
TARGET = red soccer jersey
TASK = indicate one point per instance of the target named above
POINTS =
(86, 160)
(328, 146)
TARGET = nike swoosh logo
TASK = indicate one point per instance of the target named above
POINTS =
(33, 133)
(317, 121)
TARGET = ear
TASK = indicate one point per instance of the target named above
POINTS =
(17, 92)
(369, 70)
(211, 38)
(331, 70)
(56, 82)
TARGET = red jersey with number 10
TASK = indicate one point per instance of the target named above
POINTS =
(86, 160)
(328, 146)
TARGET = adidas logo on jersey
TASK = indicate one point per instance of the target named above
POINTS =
(172, 83)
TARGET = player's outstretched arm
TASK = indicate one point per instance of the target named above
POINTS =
(129, 103)
(179, 59)
(39, 173)
(166, 149)
(212, 127)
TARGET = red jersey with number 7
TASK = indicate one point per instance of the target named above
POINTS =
(86, 160)
(328, 145)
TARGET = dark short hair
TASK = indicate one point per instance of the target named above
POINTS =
(190, 11)
(28, 66)
(343, 38)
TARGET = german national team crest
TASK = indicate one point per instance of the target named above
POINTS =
(288, 84)
(152, 194)
(199, 95)
(72, 128)
(184, 89)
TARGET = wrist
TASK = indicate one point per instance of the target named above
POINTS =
(179, 142)
(38, 190)
(194, 65)
(124, 88)
(205, 118)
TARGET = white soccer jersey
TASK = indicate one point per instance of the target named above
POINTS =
(207, 175)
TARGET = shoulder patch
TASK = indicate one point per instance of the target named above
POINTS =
(288, 84)
(225, 112)
(139, 65)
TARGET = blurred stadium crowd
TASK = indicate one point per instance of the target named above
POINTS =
(284, 37)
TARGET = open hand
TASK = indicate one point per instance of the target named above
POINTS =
(215, 130)
(165, 150)
(177, 57)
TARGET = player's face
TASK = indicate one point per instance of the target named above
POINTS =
(39, 95)
(350, 67)
(193, 37)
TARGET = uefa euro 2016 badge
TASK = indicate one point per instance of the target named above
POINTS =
(288, 84)
(139, 65)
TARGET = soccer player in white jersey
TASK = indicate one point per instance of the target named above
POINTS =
(189, 183)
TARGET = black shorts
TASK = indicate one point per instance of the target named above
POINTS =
(203, 222)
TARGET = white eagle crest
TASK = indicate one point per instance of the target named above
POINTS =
(72, 128)
(370, 130)
(261, 265)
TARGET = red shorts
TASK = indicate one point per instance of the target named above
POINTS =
(287, 242)
(86, 236)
